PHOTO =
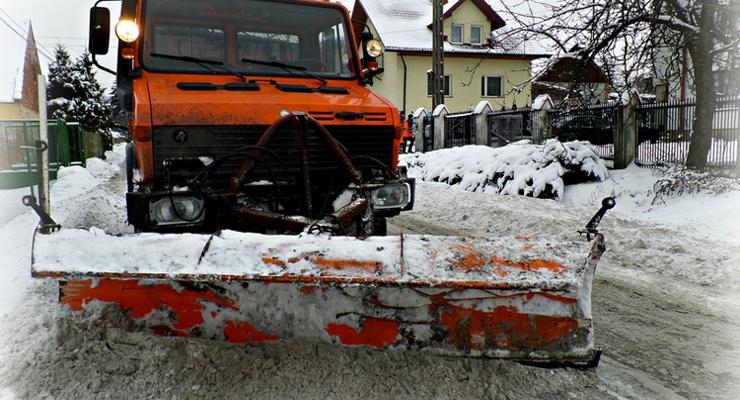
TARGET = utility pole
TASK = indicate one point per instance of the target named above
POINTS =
(438, 68)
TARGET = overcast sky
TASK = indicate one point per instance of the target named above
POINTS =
(58, 21)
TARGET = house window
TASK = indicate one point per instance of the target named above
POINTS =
(492, 86)
(476, 35)
(429, 85)
(457, 34)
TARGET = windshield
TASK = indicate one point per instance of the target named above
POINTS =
(314, 39)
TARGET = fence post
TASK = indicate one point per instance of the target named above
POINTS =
(481, 111)
(419, 114)
(625, 133)
(42, 160)
(439, 126)
(541, 118)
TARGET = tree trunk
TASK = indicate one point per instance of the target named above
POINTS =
(700, 47)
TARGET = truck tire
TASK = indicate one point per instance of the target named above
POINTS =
(380, 227)
(130, 165)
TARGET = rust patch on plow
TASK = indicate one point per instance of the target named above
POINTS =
(274, 261)
(471, 259)
(307, 289)
(467, 259)
(503, 328)
(375, 332)
(244, 332)
(529, 265)
(339, 264)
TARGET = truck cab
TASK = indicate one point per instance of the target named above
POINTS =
(255, 116)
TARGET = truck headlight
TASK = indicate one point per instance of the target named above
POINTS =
(127, 30)
(177, 210)
(391, 196)
(374, 48)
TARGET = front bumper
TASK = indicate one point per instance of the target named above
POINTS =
(221, 210)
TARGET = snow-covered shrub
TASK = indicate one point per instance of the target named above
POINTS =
(520, 168)
(679, 180)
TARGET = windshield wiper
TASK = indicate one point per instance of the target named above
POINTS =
(203, 63)
(287, 67)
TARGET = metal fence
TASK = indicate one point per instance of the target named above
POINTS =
(597, 124)
(665, 130)
(18, 173)
(507, 126)
(459, 129)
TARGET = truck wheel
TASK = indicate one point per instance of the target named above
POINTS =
(130, 165)
(380, 227)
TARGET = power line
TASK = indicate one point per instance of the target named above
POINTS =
(42, 50)
(22, 36)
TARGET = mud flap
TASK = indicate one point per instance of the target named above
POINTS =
(516, 298)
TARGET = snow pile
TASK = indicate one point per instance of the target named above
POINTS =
(519, 168)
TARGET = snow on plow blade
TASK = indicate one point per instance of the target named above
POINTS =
(517, 298)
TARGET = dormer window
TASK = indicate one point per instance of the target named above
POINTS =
(457, 34)
(476, 35)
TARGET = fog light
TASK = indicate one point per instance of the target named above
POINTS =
(177, 210)
(391, 196)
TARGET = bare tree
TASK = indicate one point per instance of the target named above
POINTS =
(628, 37)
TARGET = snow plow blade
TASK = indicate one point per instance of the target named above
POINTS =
(518, 298)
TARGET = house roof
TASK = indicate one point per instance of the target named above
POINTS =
(12, 54)
(484, 7)
(403, 26)
(569, 67)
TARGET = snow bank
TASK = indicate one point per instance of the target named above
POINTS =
(518, 168)
(707, 206)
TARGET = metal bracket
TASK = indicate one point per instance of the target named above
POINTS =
(590, 230)
(47, 224)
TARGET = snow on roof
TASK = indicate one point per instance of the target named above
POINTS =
(12, 54)
(403, 26)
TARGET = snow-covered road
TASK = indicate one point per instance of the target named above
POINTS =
(664, 314)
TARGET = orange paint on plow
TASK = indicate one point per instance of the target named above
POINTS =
(140, 300)
(244, 332)
(375, 332)
(504, 327)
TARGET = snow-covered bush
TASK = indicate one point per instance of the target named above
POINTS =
(520, 168)
(680, 180)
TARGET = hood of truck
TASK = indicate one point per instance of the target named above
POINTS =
(171, 105)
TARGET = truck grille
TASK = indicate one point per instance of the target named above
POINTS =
(216, 142)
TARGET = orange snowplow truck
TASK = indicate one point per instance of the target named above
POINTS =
(254, 116)
(260, 176)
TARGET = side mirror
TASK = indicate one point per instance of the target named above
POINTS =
(99, 40)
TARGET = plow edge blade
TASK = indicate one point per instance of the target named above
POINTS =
(523, 299)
